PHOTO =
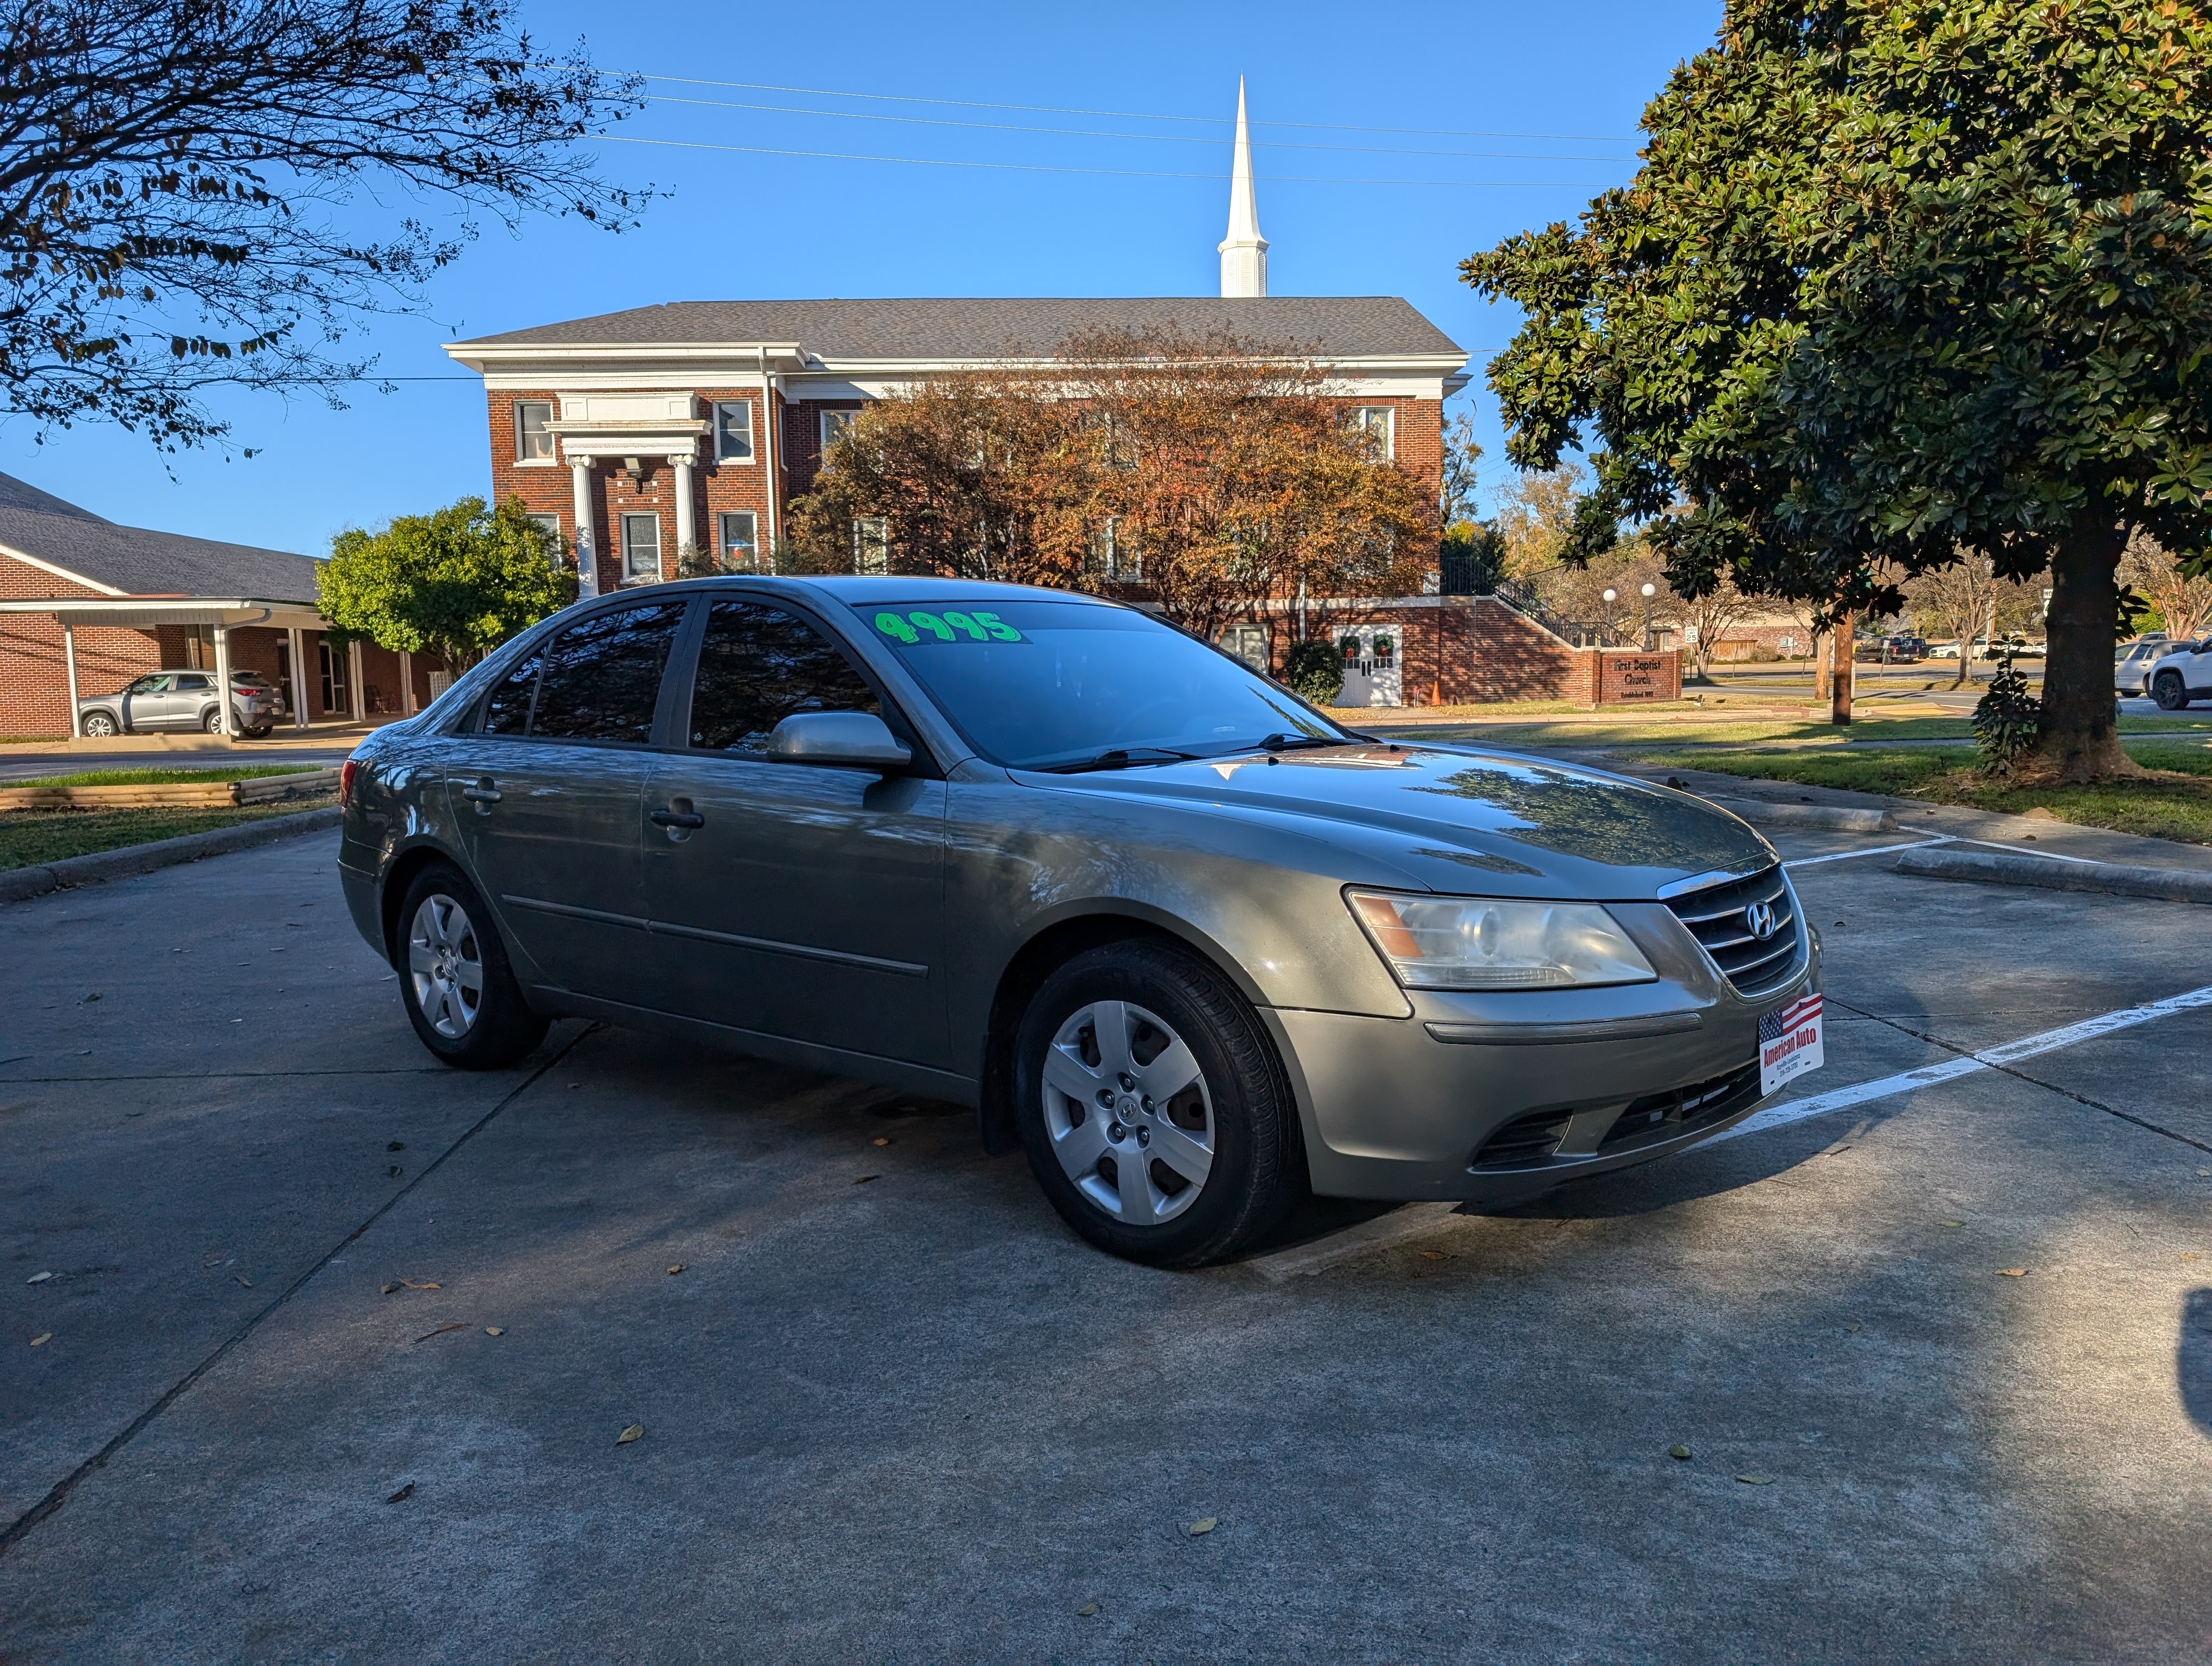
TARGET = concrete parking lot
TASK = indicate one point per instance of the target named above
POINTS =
(338, 1345)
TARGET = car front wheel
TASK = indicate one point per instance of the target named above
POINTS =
(2169, 692)
(1152, 1107)
(99, 726)
(454, 979)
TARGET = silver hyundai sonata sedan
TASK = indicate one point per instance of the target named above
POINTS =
(1192, 945)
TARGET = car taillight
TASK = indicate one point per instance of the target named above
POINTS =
(346, 773)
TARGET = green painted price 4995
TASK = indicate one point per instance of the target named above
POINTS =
(919, 626)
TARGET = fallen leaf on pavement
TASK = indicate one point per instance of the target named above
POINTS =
(2012, 1272)
(406, 1491)
(1432, 1255)
(94, 995)
(495, 1330)
(1854, 1327)
(865, 1178)
(1202, 1526)
(243, 1280)
(1086, 1611)
(678, 1268)
(631, 1434)
(389, 1288)
(397, 1144)
(882, 1142)
(411, 1285)
(40, 1341)
(441, 1331)
(38, 1278)
(1756, 1481)
(1682, 1452)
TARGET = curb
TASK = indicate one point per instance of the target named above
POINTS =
(1842, 817)
(23, 883)
(2166, 884)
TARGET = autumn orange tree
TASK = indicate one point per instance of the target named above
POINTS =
(1213, 475)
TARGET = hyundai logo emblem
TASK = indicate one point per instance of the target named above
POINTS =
(1759, 917)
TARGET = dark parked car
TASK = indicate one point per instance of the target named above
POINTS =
(1191, 945)
(172, 701)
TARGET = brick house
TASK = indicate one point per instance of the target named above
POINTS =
(86, 605)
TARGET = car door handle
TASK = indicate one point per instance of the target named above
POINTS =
(677, 818)
(482, 792)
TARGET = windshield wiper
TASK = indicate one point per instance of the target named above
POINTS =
(1119, 757)
(1279, 742)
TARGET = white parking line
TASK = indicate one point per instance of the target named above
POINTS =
(2028, 1047)
(1413, 1219)
(1944, 838)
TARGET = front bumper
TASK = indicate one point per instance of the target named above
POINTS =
(1522, 1097)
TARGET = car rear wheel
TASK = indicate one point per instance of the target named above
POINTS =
(1152, 1107)
(454, 979)
(212, 723)
(2169, 691)
(99, 726)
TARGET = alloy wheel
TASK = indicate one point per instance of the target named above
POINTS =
(445, 965)
(99, 726)
(1126, 1107)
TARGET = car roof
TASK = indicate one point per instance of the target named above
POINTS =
(858, 592)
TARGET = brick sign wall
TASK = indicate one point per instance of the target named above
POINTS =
(1634, 676)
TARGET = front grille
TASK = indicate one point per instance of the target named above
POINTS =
(1682, 1109)
(1524, 1140)
(1719, 918)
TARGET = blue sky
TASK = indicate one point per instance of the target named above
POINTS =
(1539, 103)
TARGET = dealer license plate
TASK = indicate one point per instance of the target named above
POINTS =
(1789, 1043)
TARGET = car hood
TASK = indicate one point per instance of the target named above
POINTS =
(1460, 820)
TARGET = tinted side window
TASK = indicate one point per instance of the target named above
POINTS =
(758, 665)
(506, 708)
(603, 675)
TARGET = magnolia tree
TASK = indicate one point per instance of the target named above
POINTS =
(456, 583)
(1217, 475)
(1894, 281)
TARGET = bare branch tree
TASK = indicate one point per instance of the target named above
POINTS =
(185, 184)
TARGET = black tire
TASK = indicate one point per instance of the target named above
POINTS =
(261, 733)
(1258, 1164)
(212, 723)
(2169, 692)
(502, 1028)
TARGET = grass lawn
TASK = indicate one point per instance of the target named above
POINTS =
(164, 777)
(31, 836)
(2176, 803)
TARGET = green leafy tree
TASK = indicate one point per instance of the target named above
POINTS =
(1895, 280)
(457, 582)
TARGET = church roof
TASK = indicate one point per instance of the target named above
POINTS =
(135, 561)
(1331, 326)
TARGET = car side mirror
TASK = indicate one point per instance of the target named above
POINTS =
(849, 740)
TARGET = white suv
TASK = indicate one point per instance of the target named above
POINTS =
(2182, 674)
(2131, 664)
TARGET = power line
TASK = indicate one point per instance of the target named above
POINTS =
(1125, 115)
(1097, 133)
(1117, 172)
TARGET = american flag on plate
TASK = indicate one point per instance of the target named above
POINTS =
(1789, 1043)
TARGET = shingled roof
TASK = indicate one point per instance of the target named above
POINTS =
(1335, 326)
(140, 562)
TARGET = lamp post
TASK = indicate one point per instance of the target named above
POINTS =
(1610, 595)
(1649, 591)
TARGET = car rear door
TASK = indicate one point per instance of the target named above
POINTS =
(792, 900)
(546, 787)
(192, 696)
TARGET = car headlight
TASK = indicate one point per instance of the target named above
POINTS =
(1475, 943)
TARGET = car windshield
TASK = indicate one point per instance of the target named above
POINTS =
(1071, 685)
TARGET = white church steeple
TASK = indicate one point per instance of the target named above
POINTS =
(1243, 251)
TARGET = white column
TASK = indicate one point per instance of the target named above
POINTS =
(68, 657)
(222, 680)
(687, 532)
(295, 646)
(355, 694)
(768, 459)
(406, 682)
(587, 561)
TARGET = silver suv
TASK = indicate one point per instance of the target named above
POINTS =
(170, 702)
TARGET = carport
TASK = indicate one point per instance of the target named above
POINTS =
(223, 614)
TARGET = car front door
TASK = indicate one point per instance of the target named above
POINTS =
(792, 900)
(145, 703)
(546, 789)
